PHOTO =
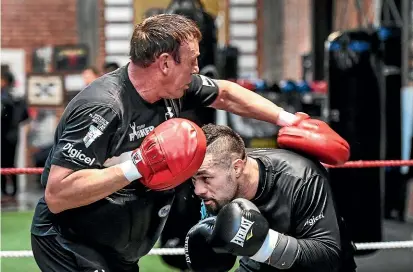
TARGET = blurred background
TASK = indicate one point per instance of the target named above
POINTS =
(347, 62)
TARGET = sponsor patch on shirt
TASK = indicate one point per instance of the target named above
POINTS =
(139, 131)
(77, 154)
(311, 221)
(92, 135)
(101, 123)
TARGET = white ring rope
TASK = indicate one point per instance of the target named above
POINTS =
(384, 245)
(154, 251)
(180, 251)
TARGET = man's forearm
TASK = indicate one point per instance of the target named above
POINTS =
(246, 103)
(284, 252)
(84, 187)
(317, 255)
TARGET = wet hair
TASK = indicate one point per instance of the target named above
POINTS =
(163, 33)
(224, 143)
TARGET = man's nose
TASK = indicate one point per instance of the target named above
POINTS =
(200, 189)
(196, 70)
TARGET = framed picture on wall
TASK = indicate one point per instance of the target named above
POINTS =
(45, 90)
(70, 58)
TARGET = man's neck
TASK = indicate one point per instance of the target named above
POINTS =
(249, 180)
(144, 81)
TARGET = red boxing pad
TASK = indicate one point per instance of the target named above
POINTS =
(170, 154)
(316, 138)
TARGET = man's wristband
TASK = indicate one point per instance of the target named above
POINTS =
(129, 170)
(278, 250)
(285, 118)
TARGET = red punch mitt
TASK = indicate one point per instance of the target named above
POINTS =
(316, 138)
(168, 156)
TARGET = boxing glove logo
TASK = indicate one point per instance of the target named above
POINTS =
(137, 157)
(243, 234)
(187, 258)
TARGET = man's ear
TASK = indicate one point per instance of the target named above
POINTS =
(164, 63)
(238, 167)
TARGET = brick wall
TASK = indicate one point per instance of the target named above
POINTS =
(296, 35)
(347, 16)
(29, 24)
(100, 60)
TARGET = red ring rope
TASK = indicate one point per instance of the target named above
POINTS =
(350, 164)
(368, 164)
(20, 171)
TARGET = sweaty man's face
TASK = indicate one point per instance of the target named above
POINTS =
(181, 73)
(215, 184)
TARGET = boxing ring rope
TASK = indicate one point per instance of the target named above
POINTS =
(154, 251)
(350, 164)
(180, 251)
(370, 164)
(21, 171)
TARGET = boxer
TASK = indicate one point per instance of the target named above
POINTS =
(272, 207)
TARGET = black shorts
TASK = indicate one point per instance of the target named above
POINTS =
(56, 254)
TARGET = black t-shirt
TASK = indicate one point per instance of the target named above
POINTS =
(99, 128)
(295, 197)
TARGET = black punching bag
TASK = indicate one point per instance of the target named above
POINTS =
(391, 82)
(354, 98)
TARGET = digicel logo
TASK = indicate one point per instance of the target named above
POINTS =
(77, 154)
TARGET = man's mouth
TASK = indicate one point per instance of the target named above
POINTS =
(208, 202)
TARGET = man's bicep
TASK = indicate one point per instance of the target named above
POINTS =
(86, 138)
(58, 173)
(202, 92)
(314, 212)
